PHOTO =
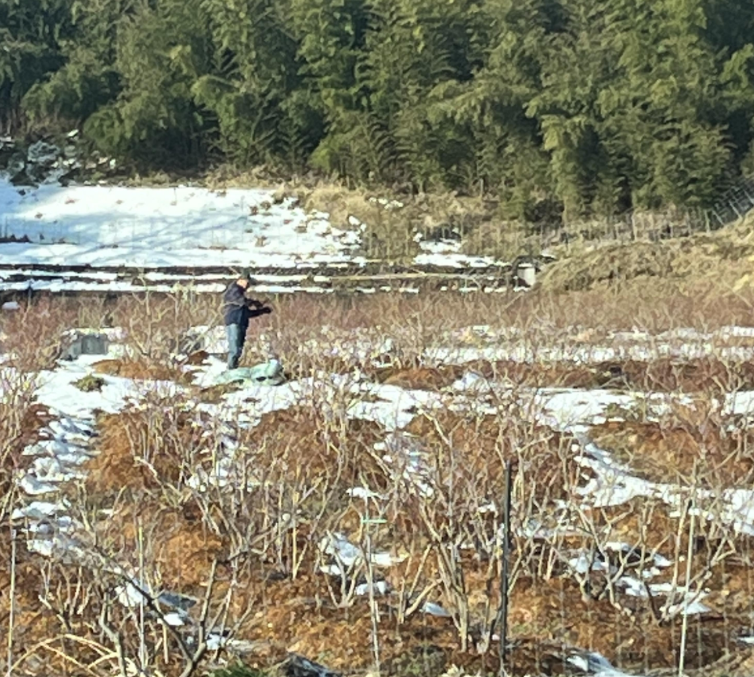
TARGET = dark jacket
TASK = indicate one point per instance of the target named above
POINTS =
(237, 308)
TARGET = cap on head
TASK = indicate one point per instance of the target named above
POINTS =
(246, 275)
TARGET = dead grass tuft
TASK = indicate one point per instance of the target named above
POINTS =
(717, 259)
(610, 264)
(340, 203)
(387, 232)
(90, 383)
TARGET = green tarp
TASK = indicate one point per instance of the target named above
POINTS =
(267, 373)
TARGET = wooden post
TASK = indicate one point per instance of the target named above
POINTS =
(366, 521)
(502, 614)
(685, 620)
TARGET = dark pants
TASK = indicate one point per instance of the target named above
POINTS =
(236, 337)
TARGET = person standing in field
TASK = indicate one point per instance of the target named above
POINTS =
(238, 310)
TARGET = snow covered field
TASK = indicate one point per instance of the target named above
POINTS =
(164, 227)
(585, 550)
(181, 227)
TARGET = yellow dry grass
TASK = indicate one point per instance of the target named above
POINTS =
(718, 259)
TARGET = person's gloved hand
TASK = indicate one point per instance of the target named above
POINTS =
(265, 310)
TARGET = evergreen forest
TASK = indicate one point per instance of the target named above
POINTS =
(590, 107)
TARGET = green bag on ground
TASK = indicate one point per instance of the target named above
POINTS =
(267, 373)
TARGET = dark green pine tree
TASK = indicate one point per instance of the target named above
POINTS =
(254, 88)
(89, 78)
(31, 33)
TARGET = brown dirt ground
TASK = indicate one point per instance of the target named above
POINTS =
(300, 444)
(303, 366)
(299, 616)
(141, 370)
(33, 418)
(638, 522)
(659, 375)
(481, 445)
(33, 621)
(663, 454)
(214, 394)
(15, 435)
(176, 541)
(420, 378)
(556, 611)
(133, 435)
(197, 358)
(729, 583)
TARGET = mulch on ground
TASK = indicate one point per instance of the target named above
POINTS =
(420, 378)
(143, 448)
(708, 374)
(709, 455)
(306, 446)
(141, 370)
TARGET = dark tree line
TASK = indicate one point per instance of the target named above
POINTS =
(594, 106)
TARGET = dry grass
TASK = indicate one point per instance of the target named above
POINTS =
(501, 240)
(32, 336)
(300, 462)
(393, 221)
(387, 230)
(718, 259)
(390, 230)
(546, 318)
